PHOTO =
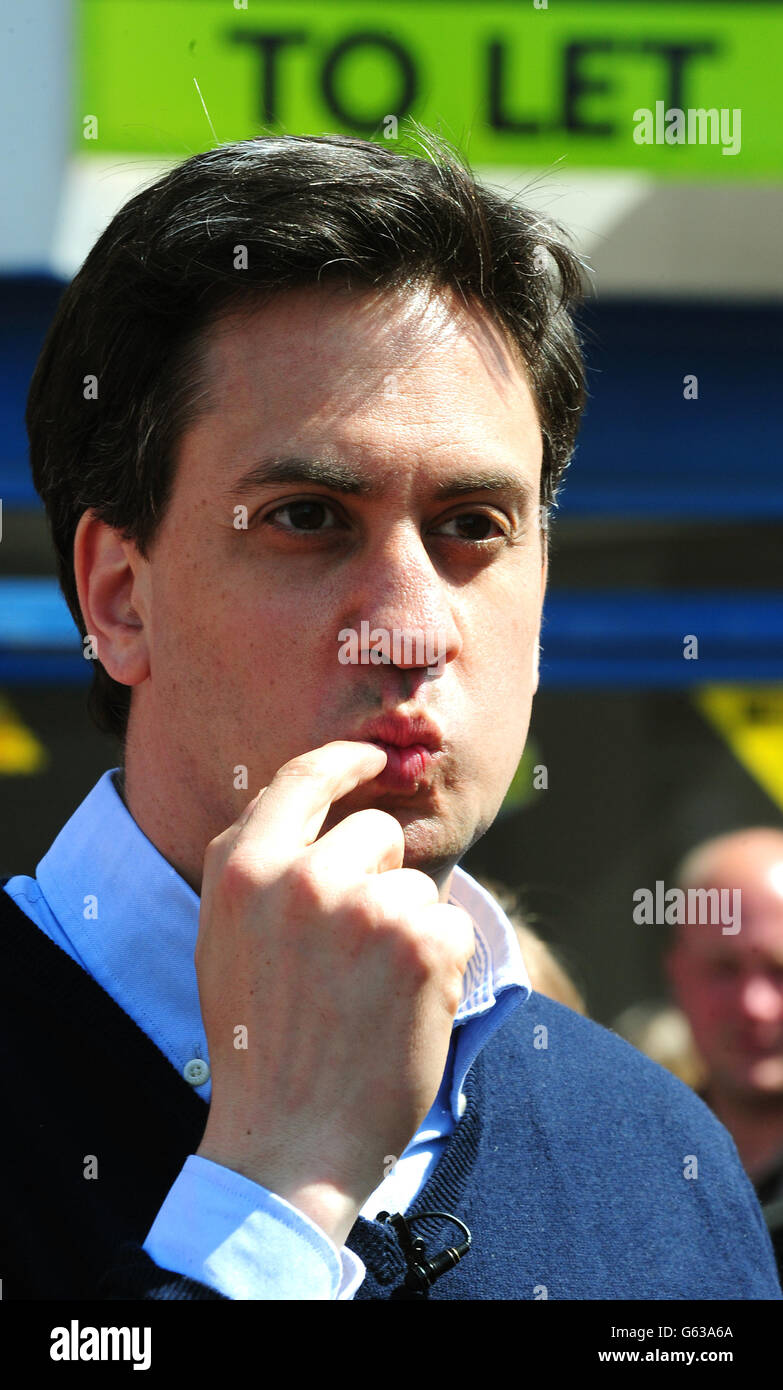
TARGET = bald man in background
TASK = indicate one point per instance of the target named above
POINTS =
(729, 984)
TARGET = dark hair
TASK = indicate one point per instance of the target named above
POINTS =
(137, 314)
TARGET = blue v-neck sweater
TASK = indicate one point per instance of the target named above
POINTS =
(582, 1169)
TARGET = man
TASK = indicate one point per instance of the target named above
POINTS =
(305, 401)
(727, 977)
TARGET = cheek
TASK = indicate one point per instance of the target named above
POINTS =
(499, 682)
(703, 1004)
(199, 654)
(233, 615)
(716, 1005)
(504, 639)
(509, 681)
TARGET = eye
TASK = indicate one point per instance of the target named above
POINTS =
(472, 526)
(308, 516)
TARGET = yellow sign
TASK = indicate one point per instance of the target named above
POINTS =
(21, 754)
(750, 719)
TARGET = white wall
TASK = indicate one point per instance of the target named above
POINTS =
(35, 95)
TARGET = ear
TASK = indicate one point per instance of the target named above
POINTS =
(111, 580)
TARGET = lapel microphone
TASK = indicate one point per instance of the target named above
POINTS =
(422, 1272)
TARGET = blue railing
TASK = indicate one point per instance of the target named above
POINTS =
(608, 639)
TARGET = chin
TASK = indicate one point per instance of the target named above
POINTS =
(430, 845)
(767, 1077)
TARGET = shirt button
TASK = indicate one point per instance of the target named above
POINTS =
(196, 1072)
(462, 1104)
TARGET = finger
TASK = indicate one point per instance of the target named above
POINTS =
(251, 805)
(290, 812)
(403, 891)
(456, 925)
(366, 842)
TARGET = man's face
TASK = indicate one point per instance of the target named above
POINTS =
(426, 520)
(731, 986)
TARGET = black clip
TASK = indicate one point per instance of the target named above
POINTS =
(422, 1272)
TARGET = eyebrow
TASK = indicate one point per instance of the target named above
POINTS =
(495, 481)
(342, 477)
(328, 472)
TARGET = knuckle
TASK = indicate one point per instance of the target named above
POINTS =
(304, 887)
(369, 910)
(452, 995)
(239, 879)
(416, 953)
(364, 912)
(215, 850)
(425, 886)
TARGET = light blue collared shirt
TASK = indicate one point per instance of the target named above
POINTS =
(110, 900)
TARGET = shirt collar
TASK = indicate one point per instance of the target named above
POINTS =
(497, 963)
(131, 919)
(495, 983)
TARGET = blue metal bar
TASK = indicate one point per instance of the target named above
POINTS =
(589, 638)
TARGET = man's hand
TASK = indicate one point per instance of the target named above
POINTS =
(345, 970)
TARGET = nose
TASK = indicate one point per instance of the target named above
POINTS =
(400, 594)
(761, 999)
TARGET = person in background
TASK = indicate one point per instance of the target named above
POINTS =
(728, 981)
(548, 974)
(663, 1033)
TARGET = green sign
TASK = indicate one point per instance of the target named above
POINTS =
(669, 90)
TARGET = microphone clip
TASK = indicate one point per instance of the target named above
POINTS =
(422, 1272)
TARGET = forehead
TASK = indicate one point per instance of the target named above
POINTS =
(385, 377)
(329, 331)
(748, 870)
